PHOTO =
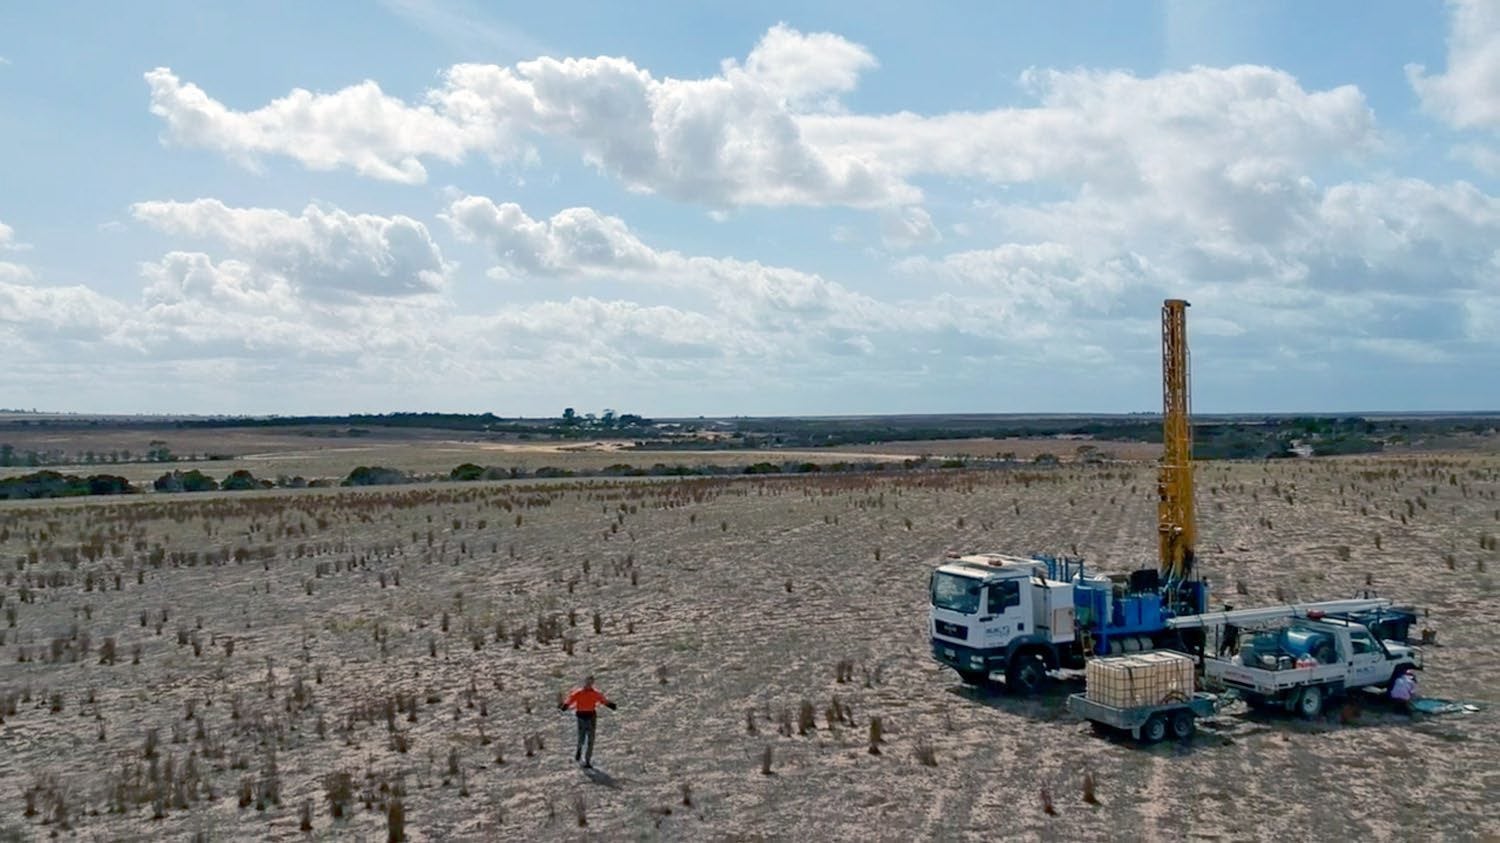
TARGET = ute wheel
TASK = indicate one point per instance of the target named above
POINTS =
(978, 678)
(1027, 674)
(1154, 730)
(1184, 725)
(1310, 702)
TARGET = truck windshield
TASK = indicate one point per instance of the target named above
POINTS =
(955, 593)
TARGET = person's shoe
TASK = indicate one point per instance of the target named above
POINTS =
(587, 766)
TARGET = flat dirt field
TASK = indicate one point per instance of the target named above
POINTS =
(226, 666)
(313, 453)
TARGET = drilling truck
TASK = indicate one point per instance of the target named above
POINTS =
(1026, 616)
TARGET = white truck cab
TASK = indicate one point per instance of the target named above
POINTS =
(992, 612)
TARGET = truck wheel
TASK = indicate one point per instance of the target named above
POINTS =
(1310, 702)
(1027, 674)
(978, 678)
(1154, 730)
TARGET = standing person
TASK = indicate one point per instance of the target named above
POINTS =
(586, 701)
(1229, 639)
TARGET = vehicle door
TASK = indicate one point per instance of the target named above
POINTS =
(1003, 614)
(1367, 660)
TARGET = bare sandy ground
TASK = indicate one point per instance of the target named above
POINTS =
(272, 453)
(720, 603)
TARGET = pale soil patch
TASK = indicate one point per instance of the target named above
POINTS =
(710, 613)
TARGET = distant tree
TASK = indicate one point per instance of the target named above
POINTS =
(569, 417)
(608, 419)
(366, 475)
(240, 481)
(185, 481)
(467, 472)
(7, 454)
(108, 484)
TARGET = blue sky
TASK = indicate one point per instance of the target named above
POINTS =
(682, 209)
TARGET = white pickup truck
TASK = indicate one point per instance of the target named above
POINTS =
(1311, 661)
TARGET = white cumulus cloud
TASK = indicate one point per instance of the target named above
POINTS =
(1467, 94)
(319, 251)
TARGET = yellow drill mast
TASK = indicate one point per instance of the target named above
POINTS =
(1176, 526)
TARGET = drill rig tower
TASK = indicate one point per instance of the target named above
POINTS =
(1176, 526)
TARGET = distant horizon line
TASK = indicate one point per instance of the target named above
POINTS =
(963, 414)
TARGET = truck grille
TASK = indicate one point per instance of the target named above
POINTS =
(952, 630)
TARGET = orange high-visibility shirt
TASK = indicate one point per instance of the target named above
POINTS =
(585, 700)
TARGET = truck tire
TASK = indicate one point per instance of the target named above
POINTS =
(1027, 673)
(1184, 725)
(977, 678)
(1155, 729)
(1310, 702)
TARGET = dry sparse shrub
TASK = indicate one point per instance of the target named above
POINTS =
(305, 825)
(926, 755)
(395, 820)
(1088, 788)
(876, 736)
(580, 811)
(1047, 807)
(338, 789)
(805, 720)
(766, 756)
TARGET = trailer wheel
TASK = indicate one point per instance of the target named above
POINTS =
(1310, 702)
(1184, 725)
(1154, 730)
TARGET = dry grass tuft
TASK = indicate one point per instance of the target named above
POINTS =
(925, 753)
(805, 719)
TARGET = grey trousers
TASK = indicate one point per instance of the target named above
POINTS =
(585, 749)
